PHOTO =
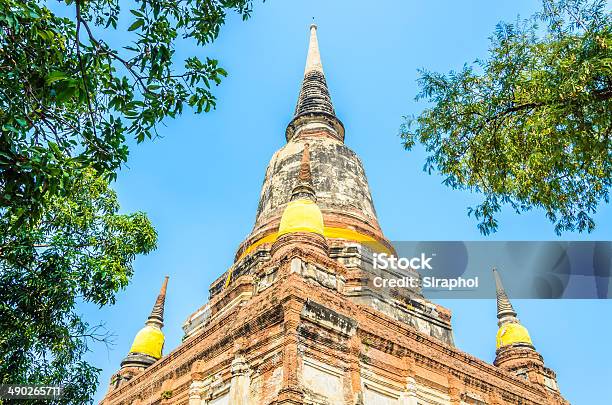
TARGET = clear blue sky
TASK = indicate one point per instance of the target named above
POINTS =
(200, 183)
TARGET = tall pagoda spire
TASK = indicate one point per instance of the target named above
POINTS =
(314, 105)
(510, 332)
(149, 341)
(514, 349)
(314, 94)
(313, 60)
(505, 310)
(342, 191)
(157, 313)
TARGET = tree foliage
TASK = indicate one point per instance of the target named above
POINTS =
(80, 250)
(531, 125)
(70, 101)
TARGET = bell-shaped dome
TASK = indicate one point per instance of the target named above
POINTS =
(512, 333)
(150, 341)
(301, 215)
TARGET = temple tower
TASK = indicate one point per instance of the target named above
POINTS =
(351, 227)
(338, 176)
(297, 318)
(148, 343)
(515, 351)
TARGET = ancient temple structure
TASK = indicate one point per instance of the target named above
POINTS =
(297, 319)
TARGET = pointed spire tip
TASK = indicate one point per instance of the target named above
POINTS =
(505, 311)
(314, 102)
(313, 60)
(157, 313)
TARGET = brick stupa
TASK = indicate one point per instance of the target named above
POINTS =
(297, 319)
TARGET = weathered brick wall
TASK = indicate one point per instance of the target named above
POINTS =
(283, 344)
